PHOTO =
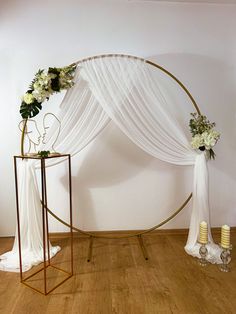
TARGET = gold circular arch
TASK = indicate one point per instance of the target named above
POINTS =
(91, 234)
(149, 62)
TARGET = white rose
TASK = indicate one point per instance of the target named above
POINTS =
(43, 80)
(210, 138)
(41, 95)
(197, 141)
(37, 85)
(28, 98)
(215, 134)
(52, 75)
(62, 74)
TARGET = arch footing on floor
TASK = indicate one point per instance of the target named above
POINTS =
(93, 235)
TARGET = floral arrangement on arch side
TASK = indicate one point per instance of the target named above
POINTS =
(204, 136)
(43, 86)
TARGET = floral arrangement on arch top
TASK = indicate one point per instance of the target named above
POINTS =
(43, 86)
(204, 136)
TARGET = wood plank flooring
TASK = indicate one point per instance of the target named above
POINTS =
(118, 280)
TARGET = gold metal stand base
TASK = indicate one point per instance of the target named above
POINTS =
(45, 291)
(140, 240)
(45, 232)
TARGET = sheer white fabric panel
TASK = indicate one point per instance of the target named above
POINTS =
(200, 212)
(131, 97)
(134, 102)
(82, 118)
(31, 224)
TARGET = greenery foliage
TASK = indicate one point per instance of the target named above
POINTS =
(199, 124)
(44, 153)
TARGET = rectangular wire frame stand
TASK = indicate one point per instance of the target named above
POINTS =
(46, 262)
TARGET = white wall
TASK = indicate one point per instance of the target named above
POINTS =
(116, 185)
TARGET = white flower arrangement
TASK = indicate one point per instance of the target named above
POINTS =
(204, 137)
(43, 86)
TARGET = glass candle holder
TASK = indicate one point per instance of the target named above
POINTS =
(226, 259)
(203, 253)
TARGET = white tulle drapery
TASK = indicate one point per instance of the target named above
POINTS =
(124, 90)
(31, 226)
(133, 99)
(82, 118)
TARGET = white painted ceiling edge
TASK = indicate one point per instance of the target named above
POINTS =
(190, 1)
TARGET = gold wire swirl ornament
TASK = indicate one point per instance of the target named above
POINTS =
(183, 87)
(33, 141)
(57, 132)
(34, 136)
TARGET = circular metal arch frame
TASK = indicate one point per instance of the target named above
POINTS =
(95, 235)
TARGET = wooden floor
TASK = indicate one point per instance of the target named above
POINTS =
(119, 280)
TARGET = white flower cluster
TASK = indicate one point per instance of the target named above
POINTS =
(208, 139)
(65, 79)
(42, 88)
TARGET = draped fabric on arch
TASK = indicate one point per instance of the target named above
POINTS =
(124, 90)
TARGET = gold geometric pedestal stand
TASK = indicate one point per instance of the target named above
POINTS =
(47, 263)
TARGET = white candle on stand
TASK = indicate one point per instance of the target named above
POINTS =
(203, 233)
(225, 236)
